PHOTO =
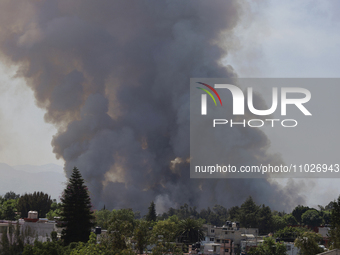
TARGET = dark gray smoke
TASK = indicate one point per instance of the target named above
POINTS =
(113, 76)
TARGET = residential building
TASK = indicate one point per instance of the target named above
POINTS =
(226, 240)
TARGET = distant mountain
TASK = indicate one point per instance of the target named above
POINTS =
(22, 179)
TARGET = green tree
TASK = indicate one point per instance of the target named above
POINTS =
(90, 248)
(334, 233)
(164, 235)
(234, 213)
(289, 234)
(120, 230)
(8, 209)
(220, 215)
(76, 211)
(167, 229)
(265, 220)
(190, 231)
(308, 243)
(298, 211)
(330, 205)
(278, 222)
(142, 235)
(102, 218)
(44, 248)
(11, 195)
(311, 218)
(249, 211)
(326, 216)
(55, 210)
(162, 248)
(290, 219)
(151, 216)
(38, 201)
(269, 247)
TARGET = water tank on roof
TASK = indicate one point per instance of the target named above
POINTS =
(98, 230)
(33, 215)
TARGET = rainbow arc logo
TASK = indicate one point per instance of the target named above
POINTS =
(209, 93)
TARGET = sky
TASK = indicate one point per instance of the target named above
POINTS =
(295, 39)
(26, 137)
(282, 39)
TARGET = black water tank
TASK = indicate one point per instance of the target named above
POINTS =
(98, 230)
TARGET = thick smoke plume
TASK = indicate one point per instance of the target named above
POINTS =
(113, 76)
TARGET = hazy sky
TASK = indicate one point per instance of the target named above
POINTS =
(286, 39)
(25, 137)
(295, 39)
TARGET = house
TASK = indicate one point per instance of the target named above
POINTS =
(226, 240)
(31, 228)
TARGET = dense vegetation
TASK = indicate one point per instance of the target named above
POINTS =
(128, 232)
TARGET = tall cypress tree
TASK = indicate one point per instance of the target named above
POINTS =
(76, 215)
(151, 216)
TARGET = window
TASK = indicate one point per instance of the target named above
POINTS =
(218, 241)
(226, 250)
(211, 239)
(212, 231)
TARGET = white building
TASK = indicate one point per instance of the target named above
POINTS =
(291, 249)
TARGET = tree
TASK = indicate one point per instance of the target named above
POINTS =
(278, 222)
(330, 206)
(168, 229)
(308, 243)
(120, 230)
(290, 219)
(326, 217)
(151, 216)
(249, 211)
(166, 248)
(298, 211)
(76, 213)
(311, 218)
(8, 208)
(102, 218)
(38, 201)
(11, 195)
(91, 247)
(55, 210)
(334, 232)
(234, 213)
(142, 235)
(190, 231)
(289, 234)
(269, 247)
(44, 248)
(265, 220)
